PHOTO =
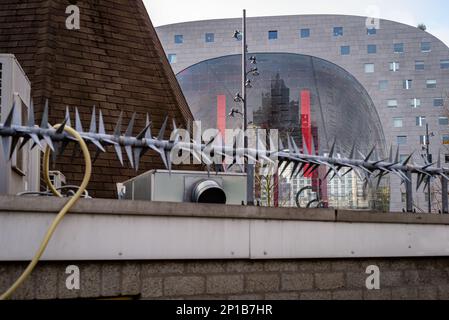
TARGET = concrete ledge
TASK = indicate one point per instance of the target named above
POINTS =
(403, 218)
(134, 230)
(165, 209)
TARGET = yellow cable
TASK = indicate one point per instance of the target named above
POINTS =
(62, 212)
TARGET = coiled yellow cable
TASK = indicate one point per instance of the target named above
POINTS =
(62, 212)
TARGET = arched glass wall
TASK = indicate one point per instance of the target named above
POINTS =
(303, 96)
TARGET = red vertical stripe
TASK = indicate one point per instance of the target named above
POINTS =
(221, 114)
(306, 122)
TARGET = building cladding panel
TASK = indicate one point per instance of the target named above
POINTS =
(114, 61)
(322, 43)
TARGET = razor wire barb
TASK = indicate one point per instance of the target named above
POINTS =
(367, 168)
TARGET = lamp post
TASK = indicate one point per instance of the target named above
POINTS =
(246, 83)
(429, 160)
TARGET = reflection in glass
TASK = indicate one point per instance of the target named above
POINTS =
(307, 98)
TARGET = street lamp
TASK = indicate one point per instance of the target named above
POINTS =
(241, 98)
(428, 161)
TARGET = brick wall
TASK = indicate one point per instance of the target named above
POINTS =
(115, 61)
(426, 278)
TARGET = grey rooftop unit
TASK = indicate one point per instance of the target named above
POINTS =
(186, 186)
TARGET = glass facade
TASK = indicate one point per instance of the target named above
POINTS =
(419, 65)
(179, 38)
(305, 33)
(272, 35)
(172, 58)
(398, 48)
(302, 96)
(394, 66)
(431, 84)
(345, 50)
(444, 64)
(401, 140)
(438, 102)
(338, 31)
(426, 47)
(383, 84)
(210, 37)
(415, 103)
(371, 31)
(369, 67)
(398, 122)
(443, 121)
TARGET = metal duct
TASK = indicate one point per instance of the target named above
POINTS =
(208, 191)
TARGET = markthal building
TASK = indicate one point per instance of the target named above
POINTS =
(320, 79)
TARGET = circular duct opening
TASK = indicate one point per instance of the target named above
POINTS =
(208, 191)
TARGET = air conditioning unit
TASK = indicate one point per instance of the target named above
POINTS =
(22, 172)
(186, 186)
(57, 179)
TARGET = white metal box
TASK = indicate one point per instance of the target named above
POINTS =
(178, 186)
(22, 172)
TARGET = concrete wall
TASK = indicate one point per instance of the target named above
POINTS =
(420, 278)
(408, 262)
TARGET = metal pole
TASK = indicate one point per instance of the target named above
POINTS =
(429, 201)
(409, 192)
(249, 168)
(444, 196)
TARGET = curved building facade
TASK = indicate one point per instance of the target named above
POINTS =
(378, 83)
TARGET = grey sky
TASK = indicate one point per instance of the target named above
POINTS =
(433, 13)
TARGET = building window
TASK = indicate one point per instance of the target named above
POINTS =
(431, 84)
(210, 37)
(415, 103)
(398, 48)
(426, 47)
(338, 31)
(420, 121)
(369, 67)
(371, 31)
(443, 121)
(392, 103)
(446, 158)
(398, 122)
(394, 66)
(345, 50)
(445, 139)
(419, 65)
(305, 33)
(407, 84)
(372, 48)
(172, 58)
(422, 140)
(401, 140)
(383, 84)
(444, 64)
(179, 38)
(438, 102)
(272, 35)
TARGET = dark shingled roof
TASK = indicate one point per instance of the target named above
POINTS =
(115, 61)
